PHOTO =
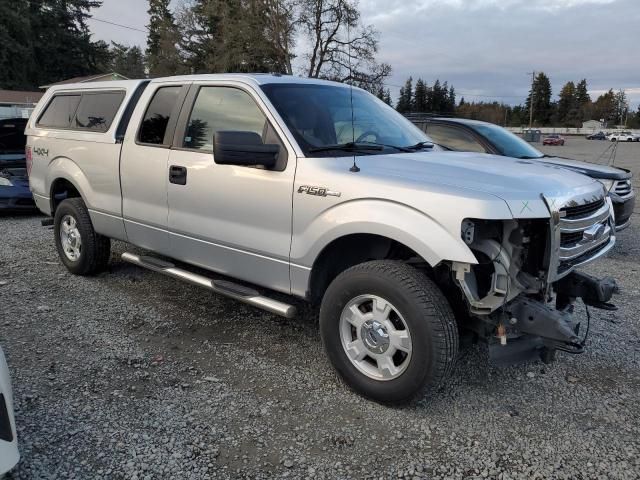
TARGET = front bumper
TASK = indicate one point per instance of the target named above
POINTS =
(16, 199)
(623, 209)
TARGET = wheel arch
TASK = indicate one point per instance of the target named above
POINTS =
(66, 180)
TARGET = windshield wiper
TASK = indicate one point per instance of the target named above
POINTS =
(348, 147)
(419, 146)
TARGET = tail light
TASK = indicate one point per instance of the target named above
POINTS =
(29, 158)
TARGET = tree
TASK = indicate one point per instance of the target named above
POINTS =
(542, 107)
(568, 106)
(128, 61)
(621, 107)
(163, 56)
(342, 48)
(605, 107)
(280, 29)
(15, 39)
(405, 100)
(451, 103)
(61, 41)
(420, 96)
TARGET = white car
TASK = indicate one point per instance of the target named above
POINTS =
(622, 137)
(9, 454)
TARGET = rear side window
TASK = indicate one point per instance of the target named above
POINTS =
(96, 110)
(154, 124)
(60, 111)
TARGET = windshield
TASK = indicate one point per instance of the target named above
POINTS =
(507, 143)
(320, 116)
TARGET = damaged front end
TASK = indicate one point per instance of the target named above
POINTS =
(520, 295)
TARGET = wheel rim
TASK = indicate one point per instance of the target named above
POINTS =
(70, 238)
(375, 337)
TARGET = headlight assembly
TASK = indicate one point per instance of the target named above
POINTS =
(5, 182)
(607, 183)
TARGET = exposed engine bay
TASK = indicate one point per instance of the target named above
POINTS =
(511, 298)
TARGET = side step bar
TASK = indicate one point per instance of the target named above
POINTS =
(223, 287)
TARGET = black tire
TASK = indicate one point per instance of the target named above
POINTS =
(96, 249)
(429, 318)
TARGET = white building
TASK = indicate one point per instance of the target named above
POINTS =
(17, 104)
(592, 126)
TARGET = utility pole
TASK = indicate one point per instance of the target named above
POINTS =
(533, 79)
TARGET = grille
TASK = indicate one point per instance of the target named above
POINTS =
(569, 239)
(581, 211)
(567, 264)
(622, 188)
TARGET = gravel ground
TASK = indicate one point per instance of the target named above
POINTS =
(132, 375)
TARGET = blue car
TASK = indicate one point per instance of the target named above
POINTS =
(14, 182)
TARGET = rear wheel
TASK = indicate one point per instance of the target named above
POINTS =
(81, 249)
(388, 331)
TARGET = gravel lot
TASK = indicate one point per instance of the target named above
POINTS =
(132, 375)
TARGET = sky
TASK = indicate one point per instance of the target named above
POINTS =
(486, 48)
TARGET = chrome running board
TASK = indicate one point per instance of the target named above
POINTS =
(223, 287)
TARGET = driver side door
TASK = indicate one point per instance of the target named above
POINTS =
(232, 219)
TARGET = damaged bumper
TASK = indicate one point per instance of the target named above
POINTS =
(536, 327)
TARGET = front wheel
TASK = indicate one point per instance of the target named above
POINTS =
(388, 331)
(81, 249)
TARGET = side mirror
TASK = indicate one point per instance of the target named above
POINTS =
(243, 148)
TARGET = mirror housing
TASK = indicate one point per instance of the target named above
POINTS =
(243, 148)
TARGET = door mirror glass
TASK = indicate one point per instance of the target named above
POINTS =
(243, 148)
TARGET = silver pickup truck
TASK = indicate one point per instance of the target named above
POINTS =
(317, 190)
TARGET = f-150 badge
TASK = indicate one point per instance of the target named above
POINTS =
(317, 191)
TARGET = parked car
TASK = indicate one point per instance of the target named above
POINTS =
(9, 453)
(597, 136)
(621, 137)
(553, 140)
(476, 136)
(14, 183)
(321, 191)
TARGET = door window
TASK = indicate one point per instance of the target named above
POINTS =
(154, 124)
(222, 108)
(454, 138)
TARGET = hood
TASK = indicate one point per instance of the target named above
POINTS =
(493, 174)
(520, 183)
(592, 170)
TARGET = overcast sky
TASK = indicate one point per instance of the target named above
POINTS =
(483, 47)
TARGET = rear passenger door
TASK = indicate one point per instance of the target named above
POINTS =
(143, 167)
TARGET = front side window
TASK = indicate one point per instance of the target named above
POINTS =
(222, 108)
(321, 116)
(454, 138)
(154, 123)
(97, 110)
(60, 111)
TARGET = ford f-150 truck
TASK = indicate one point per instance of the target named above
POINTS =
(318, 190)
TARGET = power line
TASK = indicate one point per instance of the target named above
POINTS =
(117, 24)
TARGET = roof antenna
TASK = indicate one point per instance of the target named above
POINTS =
(354, 167)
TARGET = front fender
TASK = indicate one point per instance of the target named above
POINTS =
(397, 221)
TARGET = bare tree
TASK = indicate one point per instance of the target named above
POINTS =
(343, 49)
(280, 23)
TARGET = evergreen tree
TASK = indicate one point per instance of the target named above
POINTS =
(163, 56)
(567, 105)
(15, 46)
(62, 45)
(451, 104)
(605, 107)
(128, 61)
(436, 97)
(387, 98)
(405, 100)
(542, 107)
(420, 96)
